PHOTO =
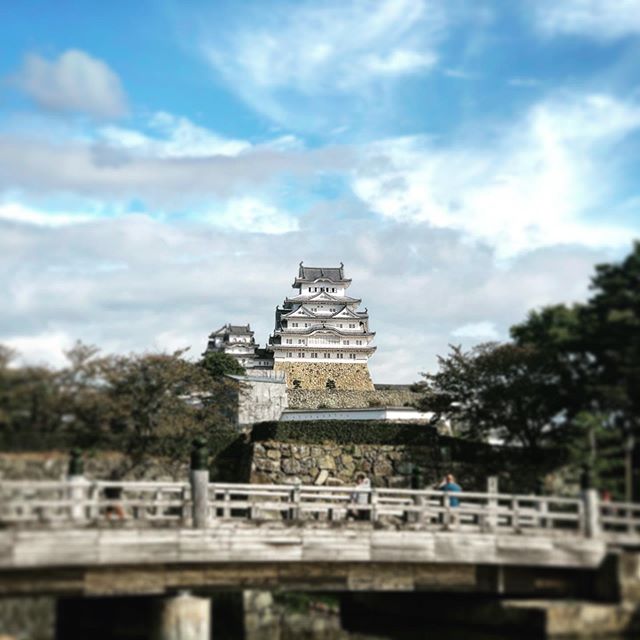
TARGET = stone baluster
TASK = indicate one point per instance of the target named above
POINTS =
(591, 510)
(79, 486)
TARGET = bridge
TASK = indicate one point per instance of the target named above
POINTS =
(78, 538)
(95, 537)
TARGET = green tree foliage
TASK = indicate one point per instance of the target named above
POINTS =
(218, 364)
(502, 391)
(570, 372)
(140, 402)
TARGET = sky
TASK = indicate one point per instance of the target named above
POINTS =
(165, 166)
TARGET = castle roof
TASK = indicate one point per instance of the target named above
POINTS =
(315, 328)
(322, 297)
(344, 312)
(313, 274)
(237, 329)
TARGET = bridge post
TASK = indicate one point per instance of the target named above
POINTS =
(373, 501)
(491, 518)
(591, 505)
(417, 484)
(294, 511)
(79, 486)
(199, 478)
(183, 617)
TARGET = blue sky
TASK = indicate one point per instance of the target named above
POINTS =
(164, 166)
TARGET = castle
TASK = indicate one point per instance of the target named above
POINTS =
(320, 339)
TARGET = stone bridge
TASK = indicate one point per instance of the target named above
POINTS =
(82, 537)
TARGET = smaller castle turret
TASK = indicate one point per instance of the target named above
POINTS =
(238, 341)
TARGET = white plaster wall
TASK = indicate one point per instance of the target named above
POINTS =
(261, 400)
(377, 413)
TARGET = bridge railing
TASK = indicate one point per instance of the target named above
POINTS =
(620, 520)
(79, 502)
(459, 511)
(60, 502)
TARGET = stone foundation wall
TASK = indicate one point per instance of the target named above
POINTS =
(350, 399)
(314, 375)
(337, 464)
(27, 618)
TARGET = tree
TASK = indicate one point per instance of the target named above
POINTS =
(502, 391)
(144, 404)
(611, 326)
(596, 348)
(218, 364)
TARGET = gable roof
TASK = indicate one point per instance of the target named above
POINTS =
(323, 296)
(233, 328)
(313, 274)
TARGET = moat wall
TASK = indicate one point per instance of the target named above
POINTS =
(333, 452)
(350, 399)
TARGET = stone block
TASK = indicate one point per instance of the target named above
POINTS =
(327, 462)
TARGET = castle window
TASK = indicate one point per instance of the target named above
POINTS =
(289, 341)
(314, 355)
(327, 355)
(289, 355)
(352, 356)
(300, 341)
(358, 341)
(340, 325)
(296, 384)
(345, 342)
(330, 384)
(340, 355)
(352, 326)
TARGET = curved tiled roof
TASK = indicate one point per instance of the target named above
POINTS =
(312, 274)
(319, 327)
(332, 298)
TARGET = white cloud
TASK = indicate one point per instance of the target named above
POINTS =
(527, 188)
(104, 172)
(47, 347)
(182, 281)
(599, 19)
(483, 330)
(178, 138)
(399, 62)
(252, 215)
(74, 82)
(21, 214)
(306, 50)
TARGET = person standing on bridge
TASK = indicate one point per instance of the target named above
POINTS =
(450, 485)
(361, 496)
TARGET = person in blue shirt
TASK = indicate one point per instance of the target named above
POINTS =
(450, 485)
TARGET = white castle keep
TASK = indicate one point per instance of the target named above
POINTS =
(320, 340)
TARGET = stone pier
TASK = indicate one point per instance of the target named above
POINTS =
(183, 617)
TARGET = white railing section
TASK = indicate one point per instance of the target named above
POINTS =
(620, 520)
(83, 501)
(460, 511)
(80, 502)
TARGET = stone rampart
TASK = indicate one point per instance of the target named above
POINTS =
(349, 398)
(316, 375)
(337, 464)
